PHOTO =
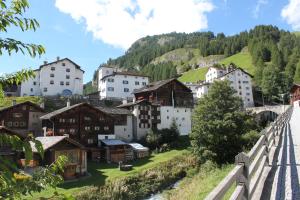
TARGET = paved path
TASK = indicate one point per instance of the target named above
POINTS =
(283, 180)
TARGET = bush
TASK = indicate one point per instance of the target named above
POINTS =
(249, 139)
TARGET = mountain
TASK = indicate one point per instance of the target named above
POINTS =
(270, 54)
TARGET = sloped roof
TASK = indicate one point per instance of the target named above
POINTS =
(64, 109)
(138, 146)
(114, 111)
(23, 103)
(6, 130)
(50, 141)
(112, 142)
(155, 85)
(76, 65)
(131, 103)
(233, 70)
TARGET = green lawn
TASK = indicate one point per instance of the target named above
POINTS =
(102, 172)
(242, 59)
(194, 75)
(7, 101)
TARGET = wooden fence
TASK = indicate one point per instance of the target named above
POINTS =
(249, 167)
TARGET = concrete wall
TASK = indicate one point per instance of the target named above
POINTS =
(125, 132)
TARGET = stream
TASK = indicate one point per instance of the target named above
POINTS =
(159, 195)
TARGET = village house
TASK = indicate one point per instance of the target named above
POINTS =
(23, 118)
(63, 77)
(239, 80)
(56, 146)
(295, 93)
(158, 104)
(193, 87)
(115, 84)
(123, 126)
(87, 125)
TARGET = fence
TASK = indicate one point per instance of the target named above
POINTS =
(249, 167)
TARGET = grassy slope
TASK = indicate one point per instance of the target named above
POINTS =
(194, 75)
(7, 101)
(297, 33)
(100, 173)
(242, 59)
(200, 185)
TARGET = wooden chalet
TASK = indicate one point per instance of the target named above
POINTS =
(82, 123)
(22, 118)
(55, 146)
(295, 93)
(170, 92)
(5, 149)
(117, 150)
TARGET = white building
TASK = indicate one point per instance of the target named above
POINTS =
(115, 84)
(194, 87)
(238, 78)
(158, 104)
(62, 76)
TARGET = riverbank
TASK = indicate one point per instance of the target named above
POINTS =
(102, 173)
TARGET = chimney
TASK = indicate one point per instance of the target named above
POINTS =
(57, 58)
(14, 102)
(45, 131)
(124, 101)
(68, 103)
(45, 62)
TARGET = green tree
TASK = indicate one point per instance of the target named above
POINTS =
(271, 81)
(219, 124)
(13, 182)
(297, 73)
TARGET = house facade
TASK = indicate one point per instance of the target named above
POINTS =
(239, 80)
(158, 104)
(81, 122)
(114, 84)
(22, 118)
(55, 146)
(63, 77)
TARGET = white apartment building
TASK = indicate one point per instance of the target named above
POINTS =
(238, 78)
(62, 76)
(116, 84)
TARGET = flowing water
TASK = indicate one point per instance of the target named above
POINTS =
(159, 195)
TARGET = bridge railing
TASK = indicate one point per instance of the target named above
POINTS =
(249, 166)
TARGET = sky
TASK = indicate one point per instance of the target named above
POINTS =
(89, 32)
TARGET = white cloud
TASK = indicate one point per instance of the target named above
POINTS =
(121, 22)
(291, 13)
(258, 6)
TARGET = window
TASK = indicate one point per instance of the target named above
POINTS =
(106, 137)
(137, 83)
(17, 115)
(67, 76)
(34, 83)
(68, 70)
(97, 128)
(24, 107)
(72, 120)
(101, 118)
(31, 89)
(61, 130)
(22, 124)
(9, 124)
(16, 124)
(61, 83)
(125, 130)
(247, 88)
(158, 117)
(144, 83)
(45, 89)
(51, 75)
(63, 64)
(126, 90)
(248, 94)
(67, 83)
(125, 82)
(51, 82)
(110, 89)
(167, 117)
(107, 72)
(87, 128)
(110, 80)
(72, 130)
(52, 68)
(106, 128)
(62, 120)
(245, 81)
(87, 119)
(90, 141)
(183, 119)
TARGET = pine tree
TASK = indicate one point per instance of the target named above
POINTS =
(297, 73)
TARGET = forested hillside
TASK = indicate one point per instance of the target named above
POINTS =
(272, 55)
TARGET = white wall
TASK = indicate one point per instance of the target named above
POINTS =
(202, 90)
(119, 86)
(75, 80)
(125, 132)
(213, 73)
(182, 117)
(31, 87)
